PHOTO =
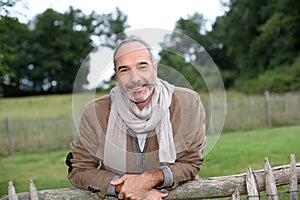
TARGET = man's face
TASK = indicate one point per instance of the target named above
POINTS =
(135, 71)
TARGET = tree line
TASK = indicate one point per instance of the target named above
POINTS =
(255, 45)
(44, 55)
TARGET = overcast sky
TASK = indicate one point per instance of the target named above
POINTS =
(154, 14)
(141, 14)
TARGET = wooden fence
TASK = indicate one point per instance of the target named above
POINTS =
(30, 135)
(243, 113)
(251, 184)
(256, 111)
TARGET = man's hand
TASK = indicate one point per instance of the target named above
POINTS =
(133, 186)
(154, 195)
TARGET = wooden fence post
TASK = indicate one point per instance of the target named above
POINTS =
(11, 191)
(33, 192)
(201, 188)
(235, 195)
(251, 185)
(270, 182)
(268, 107)
(293, 179)
(10, 136)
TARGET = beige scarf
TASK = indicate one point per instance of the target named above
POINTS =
(125, 115)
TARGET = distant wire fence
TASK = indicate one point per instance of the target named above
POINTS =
(33, 135)
(257, 111)
(243, 113)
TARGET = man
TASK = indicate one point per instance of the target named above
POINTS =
(146, 134)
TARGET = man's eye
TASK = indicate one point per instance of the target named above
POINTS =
(123, 70)
(143, 67)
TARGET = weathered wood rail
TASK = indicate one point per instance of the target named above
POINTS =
(233, 186)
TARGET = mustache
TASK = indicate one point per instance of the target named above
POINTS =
(139, 84)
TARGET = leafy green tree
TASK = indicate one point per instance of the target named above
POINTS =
(56, 46)
(258, 37)
(188, 51)
(13, 43)
(278, 41)
(237, 29)
(280, 79)
(6, 51)
(59, 43)
(5, 5)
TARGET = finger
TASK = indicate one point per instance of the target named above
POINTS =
(118, 181)
(164, 195)
(121, 195)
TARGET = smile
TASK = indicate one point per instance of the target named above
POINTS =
(137, 89)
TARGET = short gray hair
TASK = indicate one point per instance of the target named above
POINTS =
(133, 39)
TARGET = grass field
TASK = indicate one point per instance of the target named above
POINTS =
(235, 151)
(244, 112)
(232, 154)
(46, 106)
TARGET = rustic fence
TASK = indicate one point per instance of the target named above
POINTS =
(30, 135)
(250, 184)
(257, 111)
(243, 113)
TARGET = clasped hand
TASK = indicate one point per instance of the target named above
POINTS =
(137, 187)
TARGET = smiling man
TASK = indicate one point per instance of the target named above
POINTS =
(136, 72)
(144, 136)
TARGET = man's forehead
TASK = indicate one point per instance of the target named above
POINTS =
(130, 47)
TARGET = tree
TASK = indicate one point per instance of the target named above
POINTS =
(259, 36)
(238, 29)
(5, 6)
(278, 38)
(6, 51)
(59, 43)
(56, 47)
(187, 50)
(13, 42)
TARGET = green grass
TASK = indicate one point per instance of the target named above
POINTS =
(236, 151)
(244, 112)
(232, 154)
(47, 170)
(43, 106)
(35, 107)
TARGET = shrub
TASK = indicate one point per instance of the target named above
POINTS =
(281, 79)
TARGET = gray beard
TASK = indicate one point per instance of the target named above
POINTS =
(147, 95)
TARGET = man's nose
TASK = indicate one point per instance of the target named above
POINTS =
(134, 75)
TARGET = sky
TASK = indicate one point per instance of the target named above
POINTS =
(141, 14)
(153, 14)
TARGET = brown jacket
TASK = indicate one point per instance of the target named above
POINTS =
(187, 117)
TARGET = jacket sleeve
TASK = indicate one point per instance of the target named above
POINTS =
(84, 171)
(187, 164)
